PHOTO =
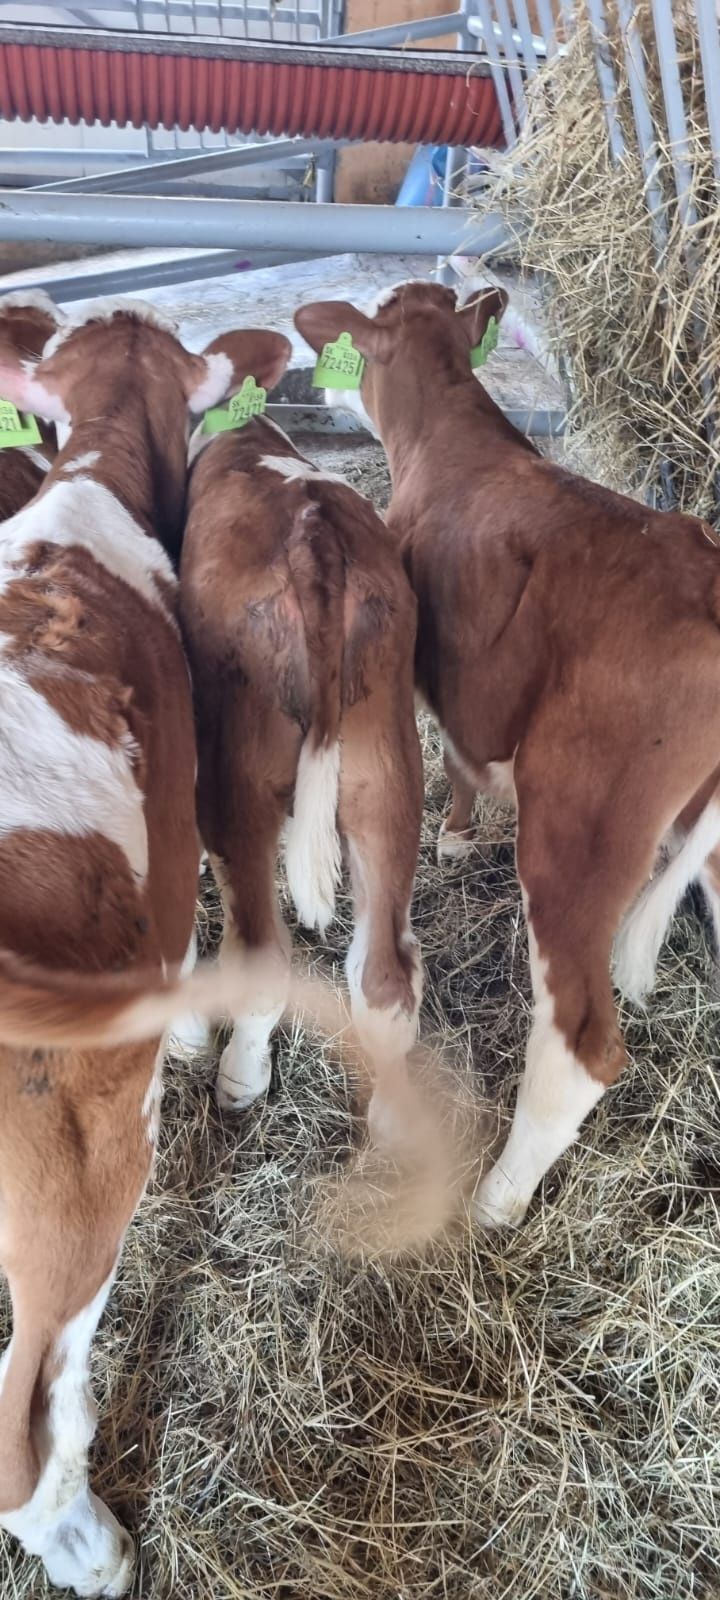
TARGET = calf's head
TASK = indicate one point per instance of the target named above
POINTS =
(415, 340)
(119, 380)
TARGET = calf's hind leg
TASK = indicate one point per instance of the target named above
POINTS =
(578, 873)
(245, 810)
(380, 811)
(76, 1145)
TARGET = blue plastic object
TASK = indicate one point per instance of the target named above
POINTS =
(423, 181)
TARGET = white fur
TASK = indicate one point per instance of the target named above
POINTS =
(295, 469)
(312, 846)
(152, 1101)
(104, 311)
(453, 846)
(386, 1033)
(495, 778)
(82, 463)
(382, 298)
(64, 782)
(642, 933)
(555, 1095)
(80, 1541)
(216, 383)
(190, 1032)
(83, 512)
(36, 298)
(245, 1064)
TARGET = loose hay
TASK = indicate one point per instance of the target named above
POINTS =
(623, 319)
(500, 1419)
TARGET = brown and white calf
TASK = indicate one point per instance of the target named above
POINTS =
(300, 629)
(569, 646)
(98, 878)
(27, 320)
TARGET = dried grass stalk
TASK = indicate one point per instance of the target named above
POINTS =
(621, 317)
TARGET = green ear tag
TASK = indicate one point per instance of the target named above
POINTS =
(250, 401)
(17, 428)
(339, 365)
(481, 351)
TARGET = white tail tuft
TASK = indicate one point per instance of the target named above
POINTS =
(312, 848)
(642, 933)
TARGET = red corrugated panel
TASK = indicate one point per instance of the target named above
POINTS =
(245, 96)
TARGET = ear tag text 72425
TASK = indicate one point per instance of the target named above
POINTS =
(250, 401)
(481, 351)
(17, 428)
(339, 365)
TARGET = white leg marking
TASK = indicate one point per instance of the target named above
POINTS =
(190, 1032)
(555, 1095)
(312, 844)
(388, 1034)
(245, 1064)
(64, 782)
(80, 1541)
(709, 883)
(642, 933)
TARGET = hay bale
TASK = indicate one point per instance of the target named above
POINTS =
(623, 319)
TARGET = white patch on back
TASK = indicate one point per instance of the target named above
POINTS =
(82, 463)
(296, 470)
(64, 782)
(82, 512)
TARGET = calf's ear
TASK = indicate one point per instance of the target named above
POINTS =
(232, 357)
(476, 315)
(323, 321)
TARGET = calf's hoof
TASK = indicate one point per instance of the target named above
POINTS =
(497, 1203)
(452, 846)
(242, 1078)
(89, 1552)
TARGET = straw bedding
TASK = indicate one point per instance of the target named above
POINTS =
(633, 315)
(502, 1418)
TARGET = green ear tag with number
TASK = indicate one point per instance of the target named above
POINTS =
(250, 401)
(339, 365)
(17, 428)
(481, 351)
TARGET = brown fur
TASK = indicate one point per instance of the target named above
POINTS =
(558, 623)
(299, 621)
(74, 1147)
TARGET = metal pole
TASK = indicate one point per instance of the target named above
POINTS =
(644, 127)
(143, 274)
(151, 220)
(709, 36)
(606, 79)
(455, 164)
(489, 30)
(325, 178)
(136, 178)
(401, 33)
(511, 58)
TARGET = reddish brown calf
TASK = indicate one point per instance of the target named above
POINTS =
(98, 876)
(569, 641)
(27, 320)
(300, 626)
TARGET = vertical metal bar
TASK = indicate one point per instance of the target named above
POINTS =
(498, 73)
(547, 24)
(456, 159)
(680, 154)
(526, 37)
(642, 116)
(511, 57)
(606, 78)
(709, 35)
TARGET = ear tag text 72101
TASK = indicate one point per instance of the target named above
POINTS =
(250, 401)
(481, 351)
(17, 428)
(339, 365)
